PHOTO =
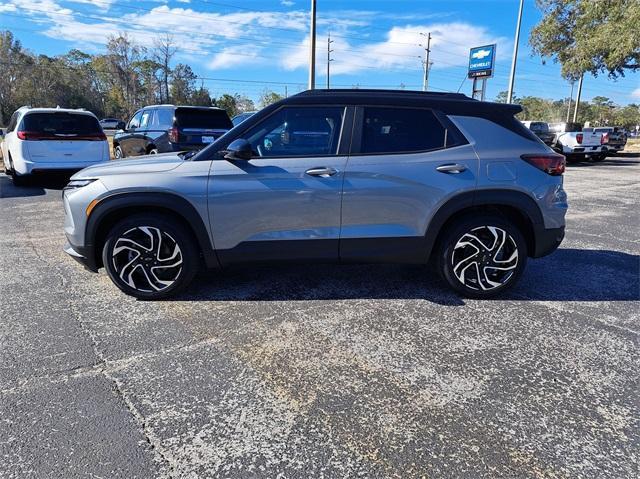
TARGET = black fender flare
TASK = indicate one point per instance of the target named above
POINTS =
(167, 201)
(485, 197)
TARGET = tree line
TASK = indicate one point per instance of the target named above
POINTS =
(600, 111)
(128, 76)
(114, 84)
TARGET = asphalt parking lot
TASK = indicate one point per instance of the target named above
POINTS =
(325, 371)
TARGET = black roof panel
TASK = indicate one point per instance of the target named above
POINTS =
(448, 103)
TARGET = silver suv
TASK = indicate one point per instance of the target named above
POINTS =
(335, 176)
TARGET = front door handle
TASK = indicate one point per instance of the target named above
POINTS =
(324, 171)
(451, 168)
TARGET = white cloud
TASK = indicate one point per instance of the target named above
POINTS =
(101, 4)
(636, 93)
(450, 45)
(287, 3)
(234, 56)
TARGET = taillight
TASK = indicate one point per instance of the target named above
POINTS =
(29, 135)
(579, 138)
(604, 138)
(551, 164)
(34, 135)
(173, 135)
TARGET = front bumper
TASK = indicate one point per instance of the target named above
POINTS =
(84, 256)
(547, 241)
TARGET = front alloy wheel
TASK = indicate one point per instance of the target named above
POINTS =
(149, 257)
(483, 257)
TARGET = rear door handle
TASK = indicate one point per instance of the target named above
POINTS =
(451, 168)
(324, 171)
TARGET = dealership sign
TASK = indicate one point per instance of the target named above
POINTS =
(481, 60)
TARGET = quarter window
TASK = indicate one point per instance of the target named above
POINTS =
(298, 131)
(401, 130)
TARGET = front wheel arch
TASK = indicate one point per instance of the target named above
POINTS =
(113, 209)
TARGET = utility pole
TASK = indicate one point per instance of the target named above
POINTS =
(286, 92)
(570, 98)
(427, 51)
(514, 60)
(312, 48)
(575, 112)
(329, 59)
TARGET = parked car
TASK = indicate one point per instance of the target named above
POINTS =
(615, 138)
(336, 176)
(43, 140)
(169, 128)
(577, 143)
(236, 120)
(112, 124)
(541, 130)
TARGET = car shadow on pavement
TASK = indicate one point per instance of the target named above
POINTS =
(9, 190)
(566, 275)
(580, 275)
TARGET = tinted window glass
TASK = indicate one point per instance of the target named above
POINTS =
(293, 131)
(397, 130)
(135, 121)
(13, 122)
(208, 119)
(146, 118)
(164, 117)
(61, 123)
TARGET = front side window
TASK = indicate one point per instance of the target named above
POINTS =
(401, 130)
(135, 121)
(298, 131)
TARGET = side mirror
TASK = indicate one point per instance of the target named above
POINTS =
(239, 149)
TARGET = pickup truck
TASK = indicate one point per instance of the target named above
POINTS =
(577, 143)
(541, 130)
(614, 138)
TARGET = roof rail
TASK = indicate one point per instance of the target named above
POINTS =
(355, 91)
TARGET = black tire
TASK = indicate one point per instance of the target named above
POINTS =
(18, 180)
(117, 153)
(600, 157)
(131, 266)
(456, 255)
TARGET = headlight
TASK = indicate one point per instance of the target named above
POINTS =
(73, 184)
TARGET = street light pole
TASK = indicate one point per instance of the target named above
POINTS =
(512, 78)
(575, 112)
(312, 47)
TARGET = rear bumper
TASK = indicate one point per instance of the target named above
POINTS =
(84, 256)
(547, 241)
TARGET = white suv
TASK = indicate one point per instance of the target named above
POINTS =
(40, 140)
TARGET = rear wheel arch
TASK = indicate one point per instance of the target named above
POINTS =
(512, 205)
(113, 209)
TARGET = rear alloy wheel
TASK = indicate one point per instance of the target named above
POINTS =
(482, 257)
(153, 151)
(117, 153)
(150, 257)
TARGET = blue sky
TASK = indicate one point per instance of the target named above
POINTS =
(245, 46)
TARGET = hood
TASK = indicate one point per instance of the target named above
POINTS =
(143, 164)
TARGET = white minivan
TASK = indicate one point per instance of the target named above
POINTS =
(42, 140)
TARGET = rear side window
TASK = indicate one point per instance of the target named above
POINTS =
(193, 118)
(163, 118)
(13, 122)
(61, 123)
(146, 118)
(401, 130)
